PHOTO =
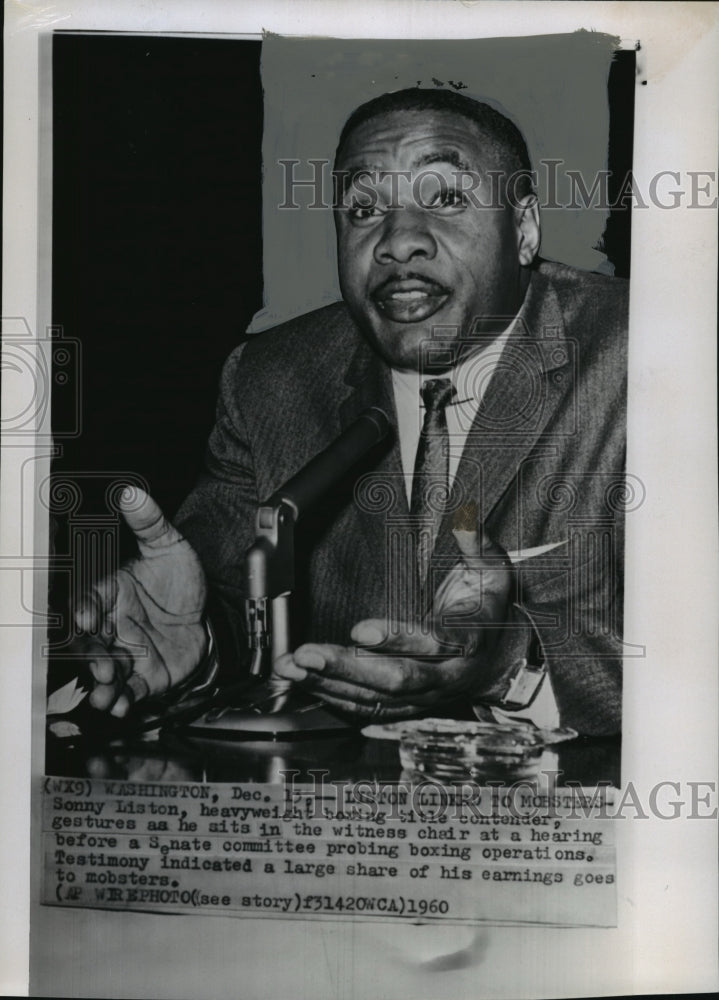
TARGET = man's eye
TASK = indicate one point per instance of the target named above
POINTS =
(449, 199)
(364, 213)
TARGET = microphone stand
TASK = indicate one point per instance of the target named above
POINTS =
(268, 713)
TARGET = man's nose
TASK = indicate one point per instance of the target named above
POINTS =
(405, 235)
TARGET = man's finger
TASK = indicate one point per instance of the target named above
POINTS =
(100, 661)
(364, 697)
(371, 713)
(94, 605)
(354, 693)
(86, 614)
(135, 688)
(386, 674)
(121, 706)
(104, 695)
(146, 521)
(109, 668)
(410, 640)
(285, 668)
(120, 695)
(477, 545)
(471, 535)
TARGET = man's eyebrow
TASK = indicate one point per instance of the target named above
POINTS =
(443, 156)
(348, 175)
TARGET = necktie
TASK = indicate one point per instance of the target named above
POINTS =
(430, 483)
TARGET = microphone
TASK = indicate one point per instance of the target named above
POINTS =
(270, 561)
(324, 470)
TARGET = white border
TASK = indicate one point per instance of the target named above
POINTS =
(667, 904)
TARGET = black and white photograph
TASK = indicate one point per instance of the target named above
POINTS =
(349, 632)
(460, 557)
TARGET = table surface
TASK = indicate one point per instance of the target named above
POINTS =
(180, 756)
(166, 745)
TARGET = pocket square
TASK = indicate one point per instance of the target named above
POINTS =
(538, 550)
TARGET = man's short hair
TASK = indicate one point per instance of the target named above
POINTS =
(506, 140)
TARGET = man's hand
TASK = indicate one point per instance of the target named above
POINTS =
(396, 670)
(143, 630)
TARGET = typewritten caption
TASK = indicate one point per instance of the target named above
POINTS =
(418, 853)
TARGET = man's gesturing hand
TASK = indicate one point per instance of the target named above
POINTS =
(143, 625)
(395, 670)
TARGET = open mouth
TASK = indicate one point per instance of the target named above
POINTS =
(409, 300)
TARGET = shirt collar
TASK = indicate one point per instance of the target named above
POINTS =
(470, 377)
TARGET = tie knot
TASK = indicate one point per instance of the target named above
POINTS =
(436, 393)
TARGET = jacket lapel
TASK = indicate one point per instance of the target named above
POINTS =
(533, 376)
(380, 497)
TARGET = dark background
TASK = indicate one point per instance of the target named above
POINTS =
(157, 244)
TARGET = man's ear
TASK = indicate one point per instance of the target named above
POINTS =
(528, 229)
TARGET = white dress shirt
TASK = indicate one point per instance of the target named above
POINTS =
(471, 378)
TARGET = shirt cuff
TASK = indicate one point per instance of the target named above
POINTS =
(543, 711)
(518, 655)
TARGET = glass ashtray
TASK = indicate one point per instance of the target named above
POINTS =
(444, 748)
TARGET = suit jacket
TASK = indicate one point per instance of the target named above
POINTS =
(543, 462)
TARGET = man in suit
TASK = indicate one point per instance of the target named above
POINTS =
(505, 381)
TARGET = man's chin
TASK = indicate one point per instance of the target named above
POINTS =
(405, 348)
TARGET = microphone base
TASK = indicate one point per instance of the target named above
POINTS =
(269, 712)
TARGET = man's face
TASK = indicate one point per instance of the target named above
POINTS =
(414, 252)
